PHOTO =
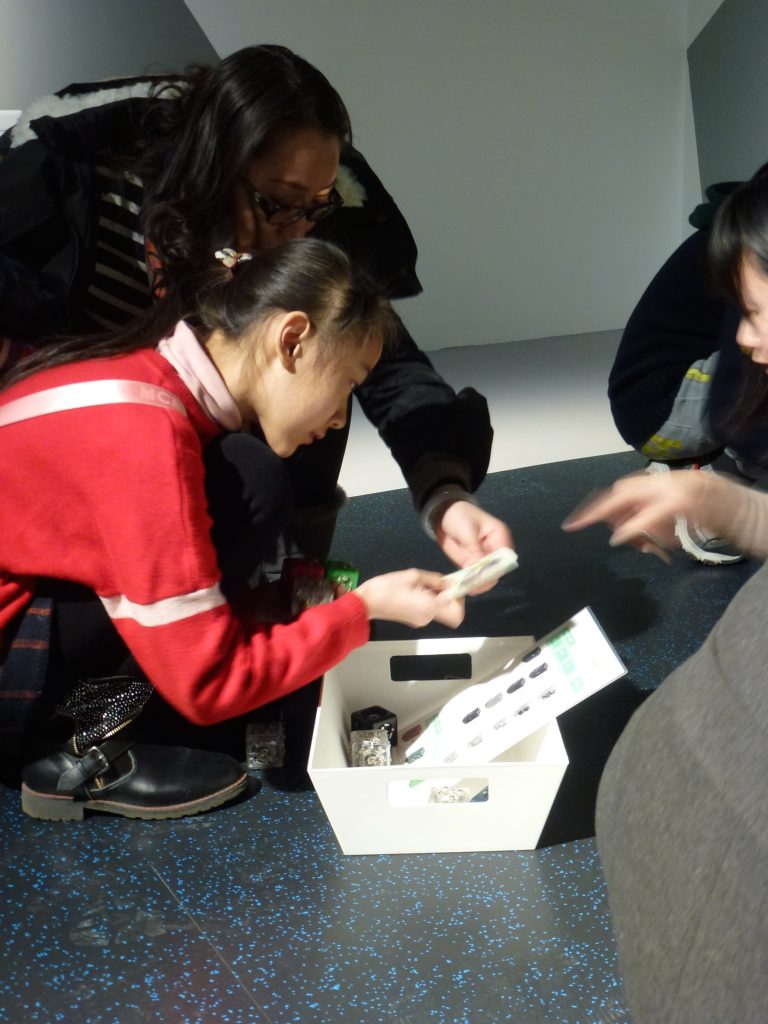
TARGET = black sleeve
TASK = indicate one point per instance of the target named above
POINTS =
(677, 321)
(436, 435)
(372, 231)
(34, 241)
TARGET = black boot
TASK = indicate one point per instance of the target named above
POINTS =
(101, 767)
(135, 780)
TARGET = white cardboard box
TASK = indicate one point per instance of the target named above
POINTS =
(371, 810)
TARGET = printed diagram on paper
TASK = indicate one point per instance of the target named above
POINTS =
(483, 721)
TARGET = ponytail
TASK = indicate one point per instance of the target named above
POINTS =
(305, 274)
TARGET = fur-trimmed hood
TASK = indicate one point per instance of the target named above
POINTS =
(74, 100)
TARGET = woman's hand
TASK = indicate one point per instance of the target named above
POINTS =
(413, 597)
(641, 509)
(467, 532)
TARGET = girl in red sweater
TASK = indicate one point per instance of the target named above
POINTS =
(117, 548)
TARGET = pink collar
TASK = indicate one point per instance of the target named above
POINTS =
(193, 364)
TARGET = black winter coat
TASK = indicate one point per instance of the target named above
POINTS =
(48, 202)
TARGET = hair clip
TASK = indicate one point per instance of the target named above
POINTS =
(230, 258)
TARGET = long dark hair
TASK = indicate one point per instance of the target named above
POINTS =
(202, 130)
(739, 231)
(306, 274)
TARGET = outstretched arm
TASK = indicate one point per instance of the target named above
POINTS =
(440, 438)
(641, 509)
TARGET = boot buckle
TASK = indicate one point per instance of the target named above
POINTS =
(93, 762)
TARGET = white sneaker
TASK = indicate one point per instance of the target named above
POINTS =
(694, 540)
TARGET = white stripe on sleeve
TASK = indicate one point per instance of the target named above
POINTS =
(170, 609)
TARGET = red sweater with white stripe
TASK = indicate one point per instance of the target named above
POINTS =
(113, 497)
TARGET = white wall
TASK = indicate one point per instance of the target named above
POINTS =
(698, 14)
(729, 80)
(47, 44)
(537, 147)
(541, 150)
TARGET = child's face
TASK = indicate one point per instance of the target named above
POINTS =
(310, 397)
(752, 334)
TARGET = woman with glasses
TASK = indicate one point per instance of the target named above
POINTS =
(114, 192)
(110, 192)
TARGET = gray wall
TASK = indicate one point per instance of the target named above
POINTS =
(728, 64)
(47, 44)
(698, 14)
(538, 148)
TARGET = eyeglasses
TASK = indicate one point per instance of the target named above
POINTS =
(274, 213)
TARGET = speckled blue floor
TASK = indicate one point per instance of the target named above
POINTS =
(250, 914)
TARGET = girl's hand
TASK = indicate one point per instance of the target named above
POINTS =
(412, 597)
(641, 509)
(467, 532)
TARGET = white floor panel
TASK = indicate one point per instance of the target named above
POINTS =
(547, 399)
